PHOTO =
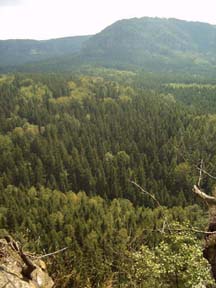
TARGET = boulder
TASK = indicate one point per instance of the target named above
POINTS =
(20, 270)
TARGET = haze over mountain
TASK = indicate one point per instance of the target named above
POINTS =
(150, 43)
(154, 42)
(16, 52)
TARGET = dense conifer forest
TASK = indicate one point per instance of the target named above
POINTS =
(71, 148)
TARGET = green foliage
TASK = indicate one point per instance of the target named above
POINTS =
(101, 237)
(59, 132)
(176, 262)
(64, 133)
(85, 133)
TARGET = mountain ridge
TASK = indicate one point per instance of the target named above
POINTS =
(161, 44)
(21, 51)
(139, 41)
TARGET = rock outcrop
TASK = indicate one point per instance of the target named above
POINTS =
(19, 270)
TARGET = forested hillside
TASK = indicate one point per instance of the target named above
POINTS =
(70, 148)
(87, 133)
(153, 44)
(18, 52)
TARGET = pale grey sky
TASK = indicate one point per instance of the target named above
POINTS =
(45, 19)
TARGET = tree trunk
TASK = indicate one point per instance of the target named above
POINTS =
(209, 251)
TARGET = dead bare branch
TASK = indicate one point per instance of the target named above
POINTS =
(171, 230)
(53, 253)
(210, 200)
(200, 173)
(146, 192)
(205, 172)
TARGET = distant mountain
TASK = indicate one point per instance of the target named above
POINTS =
(19, 52)
(153, 44)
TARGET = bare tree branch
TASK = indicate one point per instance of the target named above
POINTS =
(186, 230)
(165, 223)
(200, 173)
(202, 232)
(53, 253)
(210, 200)
(172, 230)
(205, 172)
(146, 192)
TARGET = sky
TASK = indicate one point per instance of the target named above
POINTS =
(46, 19)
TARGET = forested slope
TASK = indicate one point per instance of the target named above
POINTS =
(70, 145)
(86, 133)
(20, 51)
(153, 44)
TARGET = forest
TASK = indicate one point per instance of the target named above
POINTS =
(149, 43)
(72, 148)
